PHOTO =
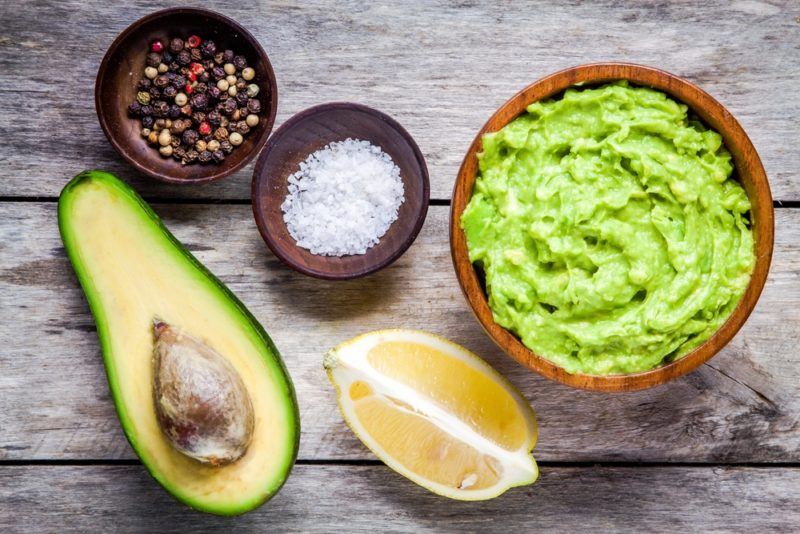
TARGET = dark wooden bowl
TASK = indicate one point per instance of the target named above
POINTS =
(750, 173)
(123, 66)
(311, 130)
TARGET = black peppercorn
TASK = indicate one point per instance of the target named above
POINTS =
(184, 57)
(160, 109)
(186, 110)
(196, 54)
(155, 93)
(178, 81)
(190, 137)
(191, 155)
(198, 117)
(253, 105)
(167, 57)
(218, 58)
(226, 146)
(147, 122)
(230, 106)
(179, 126)
(204, 77)
(152, 59)
(214, 92)
(241, 99)
(208, 48)
(144, 84)
(161, 81)
(217, 72)
(214, 118)
(205, 156)
(179, 152)
(242, 127)
(176, 45)
(135, 109)
(147, 110)
(227, 56)
(174, 66)
(218, 155)
(169, 91)
(174, 111)
(239, 62)
(200, 88)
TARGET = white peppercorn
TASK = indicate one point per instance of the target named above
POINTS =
(229, 68)
(166, 150)
(235, 138)
(248, 73)
(181, 99)
(232, 90)
(222, 85)
(151, 72)
(164, 138)
(162, 68)
(212, 145)
(145, 132)
(231, 80)
(200, 145)
(252, 120)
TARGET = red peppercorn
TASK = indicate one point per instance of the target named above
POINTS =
(188, 89)
(192, 76)
(205, 128)
(196, 68)
(157, 47)
(193, 41)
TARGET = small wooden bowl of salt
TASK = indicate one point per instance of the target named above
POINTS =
(340, 191)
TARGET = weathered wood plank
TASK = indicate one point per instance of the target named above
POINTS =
(743, 407)
(441, 68)
(372, 498)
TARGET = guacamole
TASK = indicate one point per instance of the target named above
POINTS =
(611, 234)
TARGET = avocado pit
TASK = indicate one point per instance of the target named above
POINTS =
(201, 402)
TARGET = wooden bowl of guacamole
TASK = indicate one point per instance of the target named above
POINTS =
(612, 226)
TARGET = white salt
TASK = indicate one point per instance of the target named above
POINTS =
(343, 199)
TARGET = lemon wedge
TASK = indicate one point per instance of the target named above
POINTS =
(435, 413)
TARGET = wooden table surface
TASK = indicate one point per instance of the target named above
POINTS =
(716, 450)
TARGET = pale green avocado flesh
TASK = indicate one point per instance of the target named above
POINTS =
(612, 236)
(132, 271)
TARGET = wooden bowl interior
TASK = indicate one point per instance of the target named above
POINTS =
(749, 172)
(123, 66)
(310, 131)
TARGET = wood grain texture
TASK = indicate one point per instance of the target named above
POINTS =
(373, 498)
(742, 406)
(440, 68)
(748, 171)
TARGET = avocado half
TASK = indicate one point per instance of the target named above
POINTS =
(133, 270)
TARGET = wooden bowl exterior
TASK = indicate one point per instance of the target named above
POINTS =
(750, 173)
(311, 130)
(123, 66)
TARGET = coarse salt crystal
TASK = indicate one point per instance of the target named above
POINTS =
(343, 199)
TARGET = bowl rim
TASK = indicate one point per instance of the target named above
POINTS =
(702, 104)
(260, 171)
(222, 171)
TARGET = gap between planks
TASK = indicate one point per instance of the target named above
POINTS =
(547, 464)
(246, 201)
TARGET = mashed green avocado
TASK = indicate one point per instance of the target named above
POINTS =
(609, 230)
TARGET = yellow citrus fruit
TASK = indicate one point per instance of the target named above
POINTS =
(435, 413)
